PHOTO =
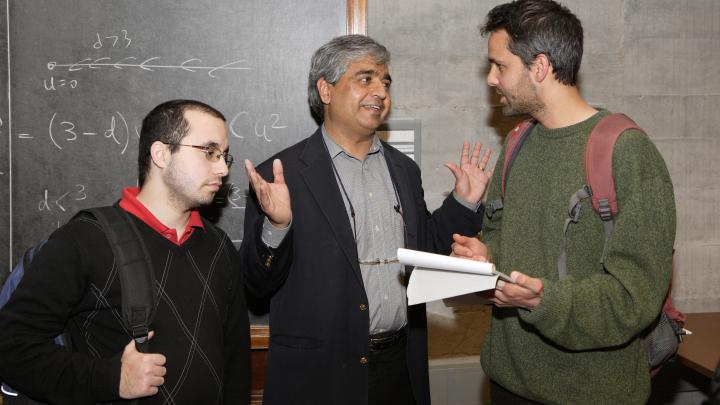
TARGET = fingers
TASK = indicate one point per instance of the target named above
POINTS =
(249, 168)
(465, 153)
(455, 169)
(533, 284)
(475, 159)
(278, 173)
(476, 155)
(130, 348)
(461, 246)
(526, 292)
(253, 176)
(482, 164)
(140, 374)
(469, 247)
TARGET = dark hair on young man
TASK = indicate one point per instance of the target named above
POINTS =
(539, 27)
(166, 123)
(332, 60)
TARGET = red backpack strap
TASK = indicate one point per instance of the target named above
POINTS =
(598, 162)
(516, 137)
(600, 186)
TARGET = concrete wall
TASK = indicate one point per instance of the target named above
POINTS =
(656, 60)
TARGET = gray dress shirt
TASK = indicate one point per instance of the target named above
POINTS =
(378, 229)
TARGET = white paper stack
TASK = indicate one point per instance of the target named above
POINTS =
(438, 276)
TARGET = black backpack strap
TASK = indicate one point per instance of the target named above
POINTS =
(134, 269)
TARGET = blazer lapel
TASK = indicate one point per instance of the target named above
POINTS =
(400, 179)
(320, 180)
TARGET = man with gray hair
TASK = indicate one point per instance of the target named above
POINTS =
(341, 329)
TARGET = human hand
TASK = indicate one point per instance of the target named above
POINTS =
(526, 292)
(469, 248)
(274, 198)
(141, 374)
(471, 178)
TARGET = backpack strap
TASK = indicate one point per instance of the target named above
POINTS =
(134, 270)
(515, 139)
(598, 162)
(599, 182)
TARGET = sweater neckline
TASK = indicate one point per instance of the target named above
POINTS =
(583, 127)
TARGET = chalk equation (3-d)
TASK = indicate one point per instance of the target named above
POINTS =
(63, 132)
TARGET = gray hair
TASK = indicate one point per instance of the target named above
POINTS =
(332, 60)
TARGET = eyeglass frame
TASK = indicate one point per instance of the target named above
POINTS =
(227, 157)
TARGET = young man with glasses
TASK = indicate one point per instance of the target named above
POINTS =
(341, 329)
(199, 351)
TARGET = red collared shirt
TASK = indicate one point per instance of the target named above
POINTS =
(131, 204)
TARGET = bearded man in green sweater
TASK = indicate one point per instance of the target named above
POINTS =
(575, 340)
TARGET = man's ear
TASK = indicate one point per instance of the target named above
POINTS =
(323, 87)
(540, 68)
(160, 154)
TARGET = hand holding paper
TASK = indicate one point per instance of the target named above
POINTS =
(437, 276)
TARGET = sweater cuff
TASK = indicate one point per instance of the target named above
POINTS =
(545, 312)
(105, 383)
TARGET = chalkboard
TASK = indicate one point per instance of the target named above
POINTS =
(82, 74)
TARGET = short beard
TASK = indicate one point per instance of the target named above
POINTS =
(524, 107)
(525, 101)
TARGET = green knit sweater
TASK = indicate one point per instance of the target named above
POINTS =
(582, 344)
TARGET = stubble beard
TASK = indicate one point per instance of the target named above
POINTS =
(523, 100)
(180, 195)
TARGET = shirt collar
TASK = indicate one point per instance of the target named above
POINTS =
(131, 204)
(334, 149)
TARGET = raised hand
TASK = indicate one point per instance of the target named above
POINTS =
(471, 177)
(274, 198)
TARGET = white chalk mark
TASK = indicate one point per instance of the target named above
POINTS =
(146, 65)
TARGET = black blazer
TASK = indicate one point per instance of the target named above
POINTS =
(318, 317)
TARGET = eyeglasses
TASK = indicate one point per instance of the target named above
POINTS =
(212, 153)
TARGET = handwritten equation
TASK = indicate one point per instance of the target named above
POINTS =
(122, 40)
(62, 132)
(149, 64)
(233, 195)
(263, 127)
(58, 201)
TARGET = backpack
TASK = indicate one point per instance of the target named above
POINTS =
(136, 281)
(666, 332)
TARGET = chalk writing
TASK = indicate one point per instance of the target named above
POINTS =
(122, 38)
(62, 132)
(149, 64)
(263, 127)
(232, 195)
(51, 86)
(51, 204)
